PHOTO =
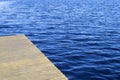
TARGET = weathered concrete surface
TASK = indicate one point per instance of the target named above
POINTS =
(21, 60)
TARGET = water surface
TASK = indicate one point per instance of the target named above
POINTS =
(81, 37)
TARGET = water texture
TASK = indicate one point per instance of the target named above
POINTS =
(81, 37)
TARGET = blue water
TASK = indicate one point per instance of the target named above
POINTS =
(81, 37)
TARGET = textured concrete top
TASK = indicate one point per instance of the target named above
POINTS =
(21, 60)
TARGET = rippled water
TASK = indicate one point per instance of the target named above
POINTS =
(81, 37)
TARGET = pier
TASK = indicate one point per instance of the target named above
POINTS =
(20, 59)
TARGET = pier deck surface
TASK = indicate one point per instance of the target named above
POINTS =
(21, 60)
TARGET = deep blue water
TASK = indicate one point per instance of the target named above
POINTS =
(81, 37)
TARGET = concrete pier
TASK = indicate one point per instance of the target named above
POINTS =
(21, 60)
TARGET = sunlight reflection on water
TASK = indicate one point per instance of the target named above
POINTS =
(4, 4)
